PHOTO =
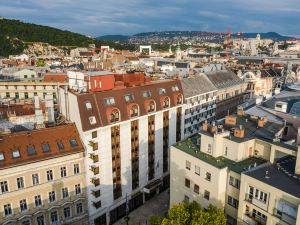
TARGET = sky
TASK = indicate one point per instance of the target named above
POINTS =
(127, 17)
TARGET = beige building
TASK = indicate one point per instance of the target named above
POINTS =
(25, 90)
(218, 166)
(42, 178)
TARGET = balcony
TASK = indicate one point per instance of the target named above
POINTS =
(254, 220)
(257, 202)
(95, 169)
(95, 181)
(97, 205)
(96, 193)
(94, 157)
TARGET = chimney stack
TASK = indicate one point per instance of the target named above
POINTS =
(239, 132)
(230, 120)
(205, 126)
(262, 121)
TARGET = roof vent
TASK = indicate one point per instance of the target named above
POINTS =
(267, 174)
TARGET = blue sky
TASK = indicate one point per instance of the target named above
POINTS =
(101, 17)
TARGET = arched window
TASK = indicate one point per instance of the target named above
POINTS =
(134, 111)
(179, 99)
(151, 106)
(114, 116)
(166, 102)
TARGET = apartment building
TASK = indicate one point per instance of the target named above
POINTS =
(42, 177)
(27, 90)
(221, 166)
(200, 103)
(127, 131)
(231, 91)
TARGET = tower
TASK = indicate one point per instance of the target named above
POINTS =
(178, 52)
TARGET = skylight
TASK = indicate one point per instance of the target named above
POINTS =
(16, 153)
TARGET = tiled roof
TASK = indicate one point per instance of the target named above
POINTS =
(196, 85)
(223, 78)
(99, 109)
(22, 140)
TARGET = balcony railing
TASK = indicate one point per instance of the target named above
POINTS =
(254, 220)
(257, 202)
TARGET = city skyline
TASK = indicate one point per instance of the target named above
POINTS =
(134, 16)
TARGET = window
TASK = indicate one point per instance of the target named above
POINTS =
(63, 171)
(206, 194)
(234, 182)
(20, 182)
(94, 134)
(187, 183)
(7, 210)
(31, 150)
(35, 179)
(4, 186)
(60, 145)
(197, 170)
(46, 147)
(23, 205)
(186, 199)
(129, 97)
(95, 146)
(67, 212)
(73, 143)
(7, 94)
(166, 103)
(1, 156)
(134, 111)
(162, 91)
(76, 169)
(16, 153)
(17, 95)
(49, 175)
(37, 201)
(65, 192)
(179, 99)
(40, 220)
(175, 88)
(209, 148)
(52, 196)
(54, 217)
(151, 106)
(114, 116)
(77, 189)
(208, 176)
(109, 101)
(26, 95)
(26, 222)
(147, 94)
(88, 105)
(196, 188)
(92, 120)
(233, 202)
(188, 165)
(79, 208)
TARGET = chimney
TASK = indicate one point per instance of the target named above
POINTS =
(240, 111)
(213, 128)
(205, 126)
(230, 120)
(239, 132)
(262, 121)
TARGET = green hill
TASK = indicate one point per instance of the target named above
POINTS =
(13, 34)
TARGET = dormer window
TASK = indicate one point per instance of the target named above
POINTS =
(46, 147)
(179, 99)
(92, 120)
(162, 91)
(109, 101)
(134, 111)
(16, 153)
(151, 107)
(73, 143)
(31, 150)
(88, 105)
(175, 88)
(115, 116)
(166, 102)
(1, 156)
(129, 97)
(60, 145)
(147, 94)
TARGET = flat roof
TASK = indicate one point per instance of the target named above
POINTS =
(191, 146)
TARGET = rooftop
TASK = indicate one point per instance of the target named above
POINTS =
(280, 175)
(191, 146)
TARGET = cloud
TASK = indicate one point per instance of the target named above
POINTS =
(94, 17)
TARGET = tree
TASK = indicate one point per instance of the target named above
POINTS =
(191, 214)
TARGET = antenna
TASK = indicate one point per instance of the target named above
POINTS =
(228, 45)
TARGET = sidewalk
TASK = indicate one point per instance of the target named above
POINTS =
(158, 205)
